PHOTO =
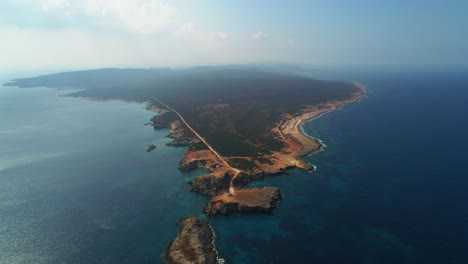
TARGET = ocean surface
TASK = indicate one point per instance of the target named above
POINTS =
(77, 185)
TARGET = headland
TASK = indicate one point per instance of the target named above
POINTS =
(239, 124)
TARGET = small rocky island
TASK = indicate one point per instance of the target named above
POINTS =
(193, 245)
(151, 147)
(240, 124)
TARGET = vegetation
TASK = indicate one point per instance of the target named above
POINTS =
(242, 164)
(265, 161)
(233, 108)
(198, 146)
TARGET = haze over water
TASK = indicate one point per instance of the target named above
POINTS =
(77, 186)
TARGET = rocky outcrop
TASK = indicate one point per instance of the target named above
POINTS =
(180, 135)
(245, 201)
(151, 147)
(193, 245)
(243, 179)
(211, 184)
(162, 120)
(195, 159)
(193, 165)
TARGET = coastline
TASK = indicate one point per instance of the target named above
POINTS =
(219, 259)
(226, 182)
(222, 178)
(309, 116)
(239, 200)
(322, 144)
(225, 185)
(195, 243)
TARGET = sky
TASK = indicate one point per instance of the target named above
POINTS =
(38, 34)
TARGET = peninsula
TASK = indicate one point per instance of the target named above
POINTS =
(241, 124)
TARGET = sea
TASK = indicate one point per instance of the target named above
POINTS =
(77, 185)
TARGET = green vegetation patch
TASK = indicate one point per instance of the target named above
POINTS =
(198, 146)
(265, 161)
(242, 164)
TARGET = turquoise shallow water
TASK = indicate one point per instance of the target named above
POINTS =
(77, 185)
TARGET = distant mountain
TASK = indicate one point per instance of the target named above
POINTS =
(90, 79)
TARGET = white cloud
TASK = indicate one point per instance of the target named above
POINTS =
(92, 37)
(188, 27)
(140, 16)
(47, 5)
(190, 30)
(65, 48)
(219, 35)
(259, 35)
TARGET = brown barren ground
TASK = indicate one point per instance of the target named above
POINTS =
(256, 200)
(225, 183)
(194, 244)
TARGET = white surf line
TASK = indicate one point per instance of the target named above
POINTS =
(338, 107)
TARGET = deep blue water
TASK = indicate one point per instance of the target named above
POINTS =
(76, 185)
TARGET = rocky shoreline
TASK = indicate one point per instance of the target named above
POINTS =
(193, 245)
(222, 181)
(256, 132)
(225, 187)
(245, 201)
(220, 177)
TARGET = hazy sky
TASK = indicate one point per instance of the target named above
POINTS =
(139, 33)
